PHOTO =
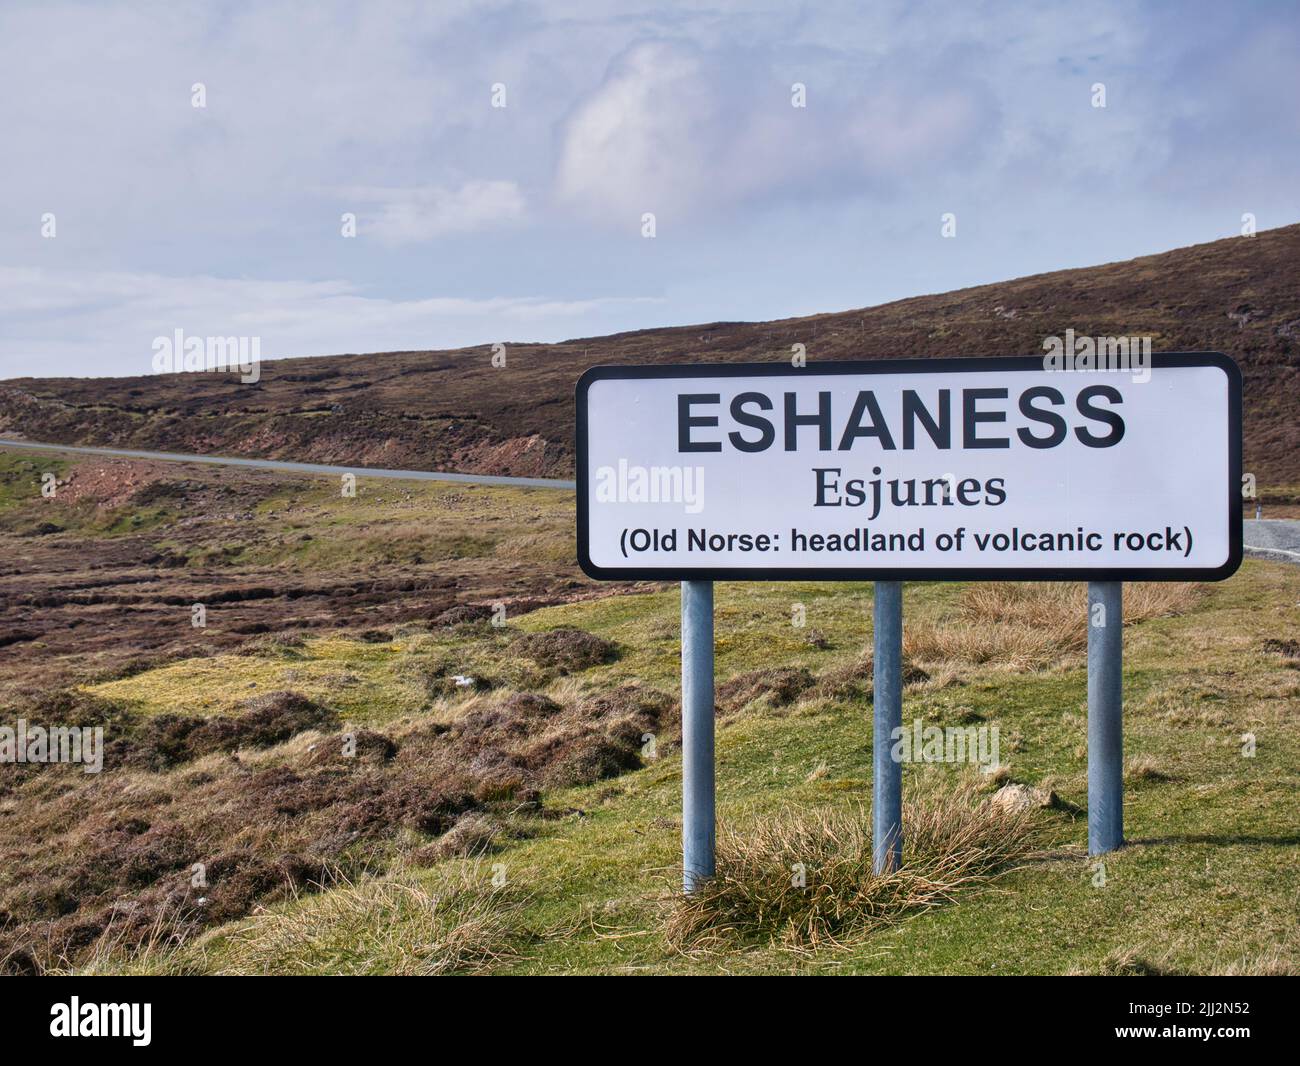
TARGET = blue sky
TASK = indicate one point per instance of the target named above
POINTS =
(477, 224)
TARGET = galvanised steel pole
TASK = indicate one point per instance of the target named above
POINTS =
(698, 826)
(887, 706)
(1105, 717)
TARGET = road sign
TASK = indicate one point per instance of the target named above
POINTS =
(914, 469)
(917, 469)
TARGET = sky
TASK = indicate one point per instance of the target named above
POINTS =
(128, 213)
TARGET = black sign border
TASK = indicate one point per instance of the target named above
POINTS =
(976, 364)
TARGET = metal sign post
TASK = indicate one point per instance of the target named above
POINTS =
(1105, 717)
(887, 710)
(698, 818)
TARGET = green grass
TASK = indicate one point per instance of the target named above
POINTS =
(23, 507)
(389, 523)
(366, 683)
(20, 484)
(1210, 878)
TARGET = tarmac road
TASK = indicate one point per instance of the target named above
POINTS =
(304, 468)
(1272, 538)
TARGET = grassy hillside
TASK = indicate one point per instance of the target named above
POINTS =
(455, 410)
(459, 793)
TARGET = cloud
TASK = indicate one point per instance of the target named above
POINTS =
(54, 318)
(673, 128)
(419, 215)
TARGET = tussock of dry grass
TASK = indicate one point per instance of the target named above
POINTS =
(778, 686)
(1280, 960)
(566, 650)
(124, 950)
(955, 839)
(1277, 960)
(1026, 625)
(459, 923)
(1016, 647)
(556, 546)
(1144, 768)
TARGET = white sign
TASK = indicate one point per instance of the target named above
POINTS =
(918, 469)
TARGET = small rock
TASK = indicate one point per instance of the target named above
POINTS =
(1013, 798)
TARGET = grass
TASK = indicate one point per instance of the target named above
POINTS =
(24, 509)
(416, 923)
(367, 683)
(376, 683)
(1027, 625)
(20, 479)
(389, 522)
(1208, 883)
(803, 879)
(456, 921)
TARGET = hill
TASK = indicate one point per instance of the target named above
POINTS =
(455, 410)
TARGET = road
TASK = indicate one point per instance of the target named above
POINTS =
(302, 468)
(1272, 538)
